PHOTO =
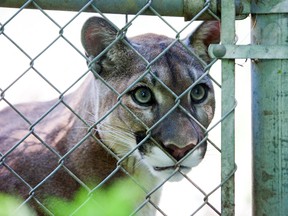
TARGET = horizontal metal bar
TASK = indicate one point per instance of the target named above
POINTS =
(181, 8)
(164, 7)
(248, 51)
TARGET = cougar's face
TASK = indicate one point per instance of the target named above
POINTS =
(164, 114)
(162, 105)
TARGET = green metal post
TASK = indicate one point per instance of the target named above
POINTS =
(228, 103)
(270, 114)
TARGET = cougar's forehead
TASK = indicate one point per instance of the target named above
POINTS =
(174, 66)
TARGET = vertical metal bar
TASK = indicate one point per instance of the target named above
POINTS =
(270, 117)
(228, 102)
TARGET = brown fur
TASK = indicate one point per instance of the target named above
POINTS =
(42, 147)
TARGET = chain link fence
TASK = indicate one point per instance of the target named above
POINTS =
(53, 47)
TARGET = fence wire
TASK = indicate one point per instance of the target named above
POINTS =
(207, 194)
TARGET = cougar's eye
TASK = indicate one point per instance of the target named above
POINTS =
(143, 96)
(199, 93)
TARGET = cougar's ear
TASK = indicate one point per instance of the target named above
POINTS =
(96, 35)
(207, 33)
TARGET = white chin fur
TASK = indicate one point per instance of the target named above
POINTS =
(157, 158)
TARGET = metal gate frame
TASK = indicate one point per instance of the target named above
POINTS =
(269, 54)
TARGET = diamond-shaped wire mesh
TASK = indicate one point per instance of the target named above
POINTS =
(35, 64)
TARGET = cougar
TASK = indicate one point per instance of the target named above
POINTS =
(141, 111)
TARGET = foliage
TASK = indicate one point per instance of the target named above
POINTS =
(120, 199)
(8, 205)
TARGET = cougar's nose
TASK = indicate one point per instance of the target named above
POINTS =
(177, 152)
